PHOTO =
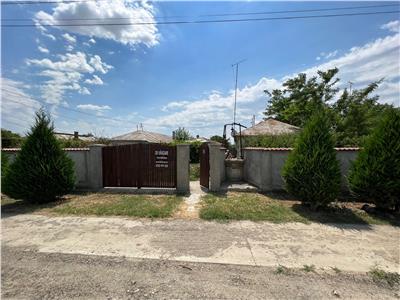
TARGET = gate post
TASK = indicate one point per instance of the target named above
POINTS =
(217, 166)
(182, 168)
(95, 166)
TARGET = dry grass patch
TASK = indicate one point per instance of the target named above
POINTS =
(102, 204)
(279, 208)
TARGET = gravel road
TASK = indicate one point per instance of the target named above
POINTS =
(28, 274)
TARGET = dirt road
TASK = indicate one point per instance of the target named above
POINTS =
(34, 275)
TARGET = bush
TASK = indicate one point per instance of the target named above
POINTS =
(5, 164)
(270, 141)
(42, 171)
(312, 171)
(375, 174)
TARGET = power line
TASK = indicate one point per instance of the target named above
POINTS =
(203, 21)
(66, 108)
(46, 2)
(211, 15)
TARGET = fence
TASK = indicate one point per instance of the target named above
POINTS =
(88, 164)
(263, 166)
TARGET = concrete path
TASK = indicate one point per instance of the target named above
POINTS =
(350, 248)
(190, 207)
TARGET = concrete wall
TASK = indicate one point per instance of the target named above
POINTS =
(89, 166)
(80, 157)
(263, 166)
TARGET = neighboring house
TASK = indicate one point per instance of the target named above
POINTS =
(75, 136)
(268, 127)
(200, 139)
(141, 136)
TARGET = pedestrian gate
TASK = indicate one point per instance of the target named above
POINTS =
(139, 165)
(204, 165)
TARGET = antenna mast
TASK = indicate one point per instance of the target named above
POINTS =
(236, 81)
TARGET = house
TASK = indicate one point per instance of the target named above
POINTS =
(141, 136)
(268, 127)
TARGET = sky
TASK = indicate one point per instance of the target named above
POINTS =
(107, 80)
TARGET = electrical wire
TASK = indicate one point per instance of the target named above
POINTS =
(201, 21)
(212, 15)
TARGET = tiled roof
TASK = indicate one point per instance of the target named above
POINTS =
(270, 127)
(144, 136)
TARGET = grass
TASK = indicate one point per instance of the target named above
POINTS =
(246, 206)
(337, 270)
(148, 206)
(277, 209)
(308, 268)
(282, 270)
(381, 276)
(194, 172)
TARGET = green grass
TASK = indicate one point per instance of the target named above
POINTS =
(194, 172)
(282, 270)
(308, 268)
(259, 207)
(133, 206)
(99, 204)
(246, 206)
(381, 276)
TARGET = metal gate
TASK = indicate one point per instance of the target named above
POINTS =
(139, 165)
(204, 165)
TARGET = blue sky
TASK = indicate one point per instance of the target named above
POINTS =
(166, 76)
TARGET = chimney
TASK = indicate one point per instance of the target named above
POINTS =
(76, 135)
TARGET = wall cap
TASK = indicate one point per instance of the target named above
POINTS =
(65, 149)
(290, 149)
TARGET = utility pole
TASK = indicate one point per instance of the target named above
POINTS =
(236, 81)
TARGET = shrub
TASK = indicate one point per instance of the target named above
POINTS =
(270, 141)
(41, 171)
(375, 174)
(312, 171)
(5, 164)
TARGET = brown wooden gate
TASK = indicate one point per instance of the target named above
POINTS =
(204, 165)
(139, 165)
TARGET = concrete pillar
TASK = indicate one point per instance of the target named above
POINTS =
(182, 168)
(95, 167)
(215, 167)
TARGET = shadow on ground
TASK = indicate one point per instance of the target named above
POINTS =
(17, 207)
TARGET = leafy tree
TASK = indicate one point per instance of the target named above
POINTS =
(301, 97)
(217, 138)
(353, 115)
(10, 139)
(42, 171)
(5, 163)
(181, 134)
(375, 173)
(312, 171)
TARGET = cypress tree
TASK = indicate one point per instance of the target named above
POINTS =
(312, 172)
(42, 171)
(375, 173)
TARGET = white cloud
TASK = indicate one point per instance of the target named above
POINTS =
(69, 48)
(361, 65)
(93, 107)
(69, 38)
(98, 109)
(66, 74)
(96, 80)
(92, 40)
(17, 106)
(393, 26)
(43, 49)
(327, 55)
(102, 11)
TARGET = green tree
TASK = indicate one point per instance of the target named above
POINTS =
(353, 115)
(181, 134)
(301, 97)
(42, 171)
(217, 138)
(312, 171)
(357, 113)
(375, 173)
(10, 139)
